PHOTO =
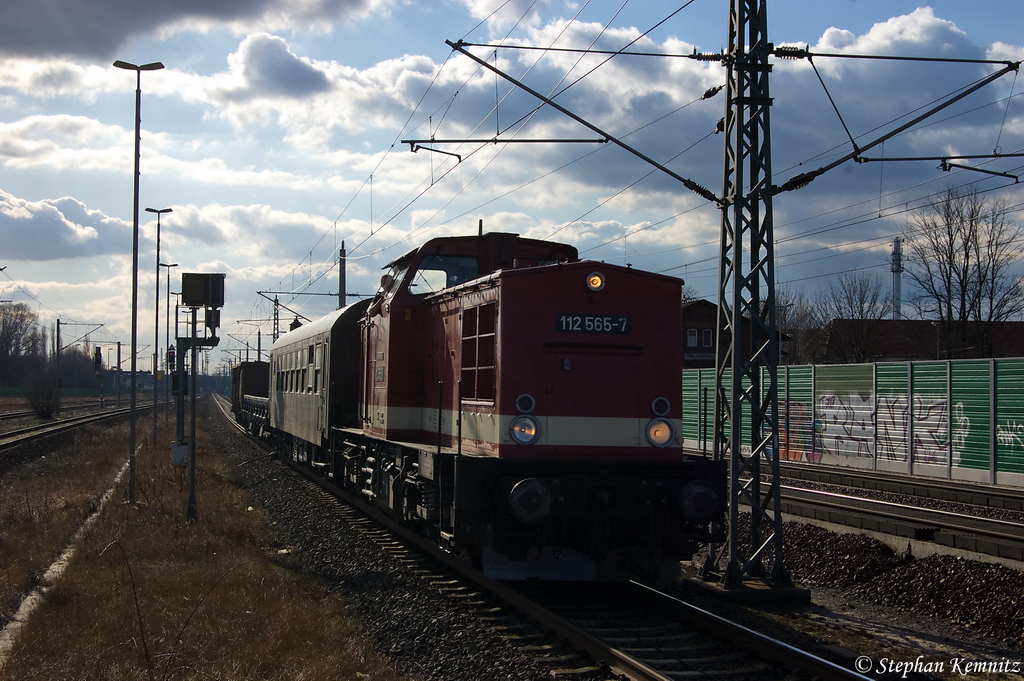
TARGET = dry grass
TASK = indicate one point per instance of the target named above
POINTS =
(150, 596)
(42, 504)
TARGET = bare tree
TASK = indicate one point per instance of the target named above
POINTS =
(18, 340)
(963, 255)
(851, 307)
(689, 294)
(799, 325)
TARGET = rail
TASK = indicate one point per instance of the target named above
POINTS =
(13, 438)
(918, 516)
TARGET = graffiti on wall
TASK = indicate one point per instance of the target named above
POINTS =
(961, 429)
(931, 431)
(846, 424)
(892, 428)
(927, 423)
(951, 420)
(1011, 434)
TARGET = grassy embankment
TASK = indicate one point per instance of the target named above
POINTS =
(151, 596)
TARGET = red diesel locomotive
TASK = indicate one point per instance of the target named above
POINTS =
(512, 402)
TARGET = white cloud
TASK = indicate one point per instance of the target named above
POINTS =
(500, 15)
(55, 229)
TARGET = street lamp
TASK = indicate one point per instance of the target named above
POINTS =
(167, 337)
(135, 263)
(156, 314)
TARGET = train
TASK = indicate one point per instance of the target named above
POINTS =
(511, 402)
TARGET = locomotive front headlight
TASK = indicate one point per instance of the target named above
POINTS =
(525, 430)
(660, 432)
(595, 281)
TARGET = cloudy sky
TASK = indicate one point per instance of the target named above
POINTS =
(275, 133)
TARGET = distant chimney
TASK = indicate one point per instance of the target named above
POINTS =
(897, 278)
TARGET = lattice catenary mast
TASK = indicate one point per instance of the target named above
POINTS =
(746, 387)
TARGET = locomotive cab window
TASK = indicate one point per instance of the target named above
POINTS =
(478, 345)
(438, 272)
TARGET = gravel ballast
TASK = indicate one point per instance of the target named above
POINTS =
(426, 634)
(431, 636)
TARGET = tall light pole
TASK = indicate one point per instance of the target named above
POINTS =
(156, 315)
(155, 66)
(167, 340)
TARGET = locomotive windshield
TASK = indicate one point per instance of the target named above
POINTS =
(438, 272)
(389, 282)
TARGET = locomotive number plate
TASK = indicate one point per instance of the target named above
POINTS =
(620, 324)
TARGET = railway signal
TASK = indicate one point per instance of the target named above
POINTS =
(204, 291)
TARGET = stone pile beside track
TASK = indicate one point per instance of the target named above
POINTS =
(984, 598)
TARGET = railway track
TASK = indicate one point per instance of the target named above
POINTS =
(13, 438)
(967, 531)
(26, 413)
(952, 491)
(967, 516)
(632, 630)
(667, 638)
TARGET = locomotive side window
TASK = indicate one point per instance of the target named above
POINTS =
(438, 272)
(478, 341)
(389, 282)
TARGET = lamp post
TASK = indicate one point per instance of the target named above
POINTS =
(156, 316)
(167, 339)
(135, 264)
